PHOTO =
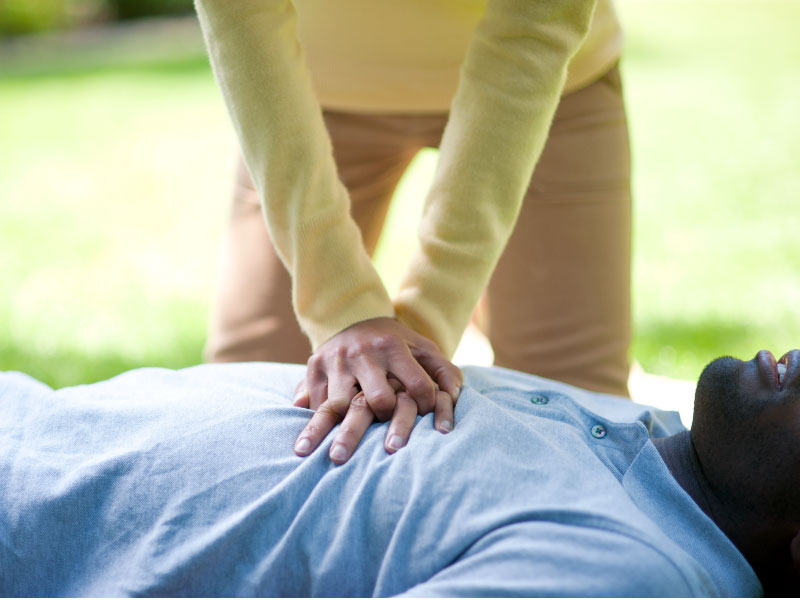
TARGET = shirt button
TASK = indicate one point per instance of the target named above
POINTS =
(598, 431)
(539, 399)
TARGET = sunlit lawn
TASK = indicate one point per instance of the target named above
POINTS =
(115, 183)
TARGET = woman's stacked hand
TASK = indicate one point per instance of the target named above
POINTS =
(376, 369)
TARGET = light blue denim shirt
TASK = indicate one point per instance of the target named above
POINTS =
(166, 483)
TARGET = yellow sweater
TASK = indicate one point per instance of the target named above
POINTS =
(513, 57)
(405, 55)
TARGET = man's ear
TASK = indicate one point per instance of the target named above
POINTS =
(784, 582)
(795, 549)
(790, 586)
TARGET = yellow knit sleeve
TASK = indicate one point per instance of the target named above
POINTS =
(260, 69)
(508, 91)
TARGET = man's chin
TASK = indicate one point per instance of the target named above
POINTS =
(716, 386)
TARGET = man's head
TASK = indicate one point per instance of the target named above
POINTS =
(746, 433)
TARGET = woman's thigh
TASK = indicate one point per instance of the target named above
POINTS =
(558, 304)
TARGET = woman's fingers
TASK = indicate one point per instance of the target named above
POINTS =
(448, 376)
(396, 385)
(355, 424)
(322, 421)
(420, 387)
(316, 382)
(402, 423)
(356, 417)
(301, 399)
(378, 392)
(443, 413)
(341, 388)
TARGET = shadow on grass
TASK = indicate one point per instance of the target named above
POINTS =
(78, 68)
(69, 367)
(165, 46)
(673, 348)
(679, 348)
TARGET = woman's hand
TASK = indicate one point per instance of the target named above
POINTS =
(375, 369)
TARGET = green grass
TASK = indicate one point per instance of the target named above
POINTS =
(712, 89)
(115, 179)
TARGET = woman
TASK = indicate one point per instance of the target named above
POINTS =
(373, 82)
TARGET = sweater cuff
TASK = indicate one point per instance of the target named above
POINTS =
(335, 284)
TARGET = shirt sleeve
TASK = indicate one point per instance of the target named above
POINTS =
(549, 559)
(509, 87)
(260, 68)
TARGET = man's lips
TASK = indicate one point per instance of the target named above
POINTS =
(768, 367)
(792, 361)
(779, 373)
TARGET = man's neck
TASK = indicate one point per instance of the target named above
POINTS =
(679, 454)
(736, 522)
(765, 545)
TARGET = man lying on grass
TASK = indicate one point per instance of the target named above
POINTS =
(185, 483)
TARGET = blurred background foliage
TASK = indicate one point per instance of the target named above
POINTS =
(18, 17)
(117, 159)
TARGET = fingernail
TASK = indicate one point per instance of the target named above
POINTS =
(339, 452)
(457, 394)
(297, 397)
(303, 445)
(395, 442)
(445, 427)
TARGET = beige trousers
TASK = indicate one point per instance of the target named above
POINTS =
(558, 303)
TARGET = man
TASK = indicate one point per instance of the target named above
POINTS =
(168, 483)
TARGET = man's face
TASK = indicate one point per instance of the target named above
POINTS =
(746, 429)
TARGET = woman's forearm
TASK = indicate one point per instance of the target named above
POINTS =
(260, 69)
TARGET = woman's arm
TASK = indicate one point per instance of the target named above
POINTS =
(261, 71)
(509, 88)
